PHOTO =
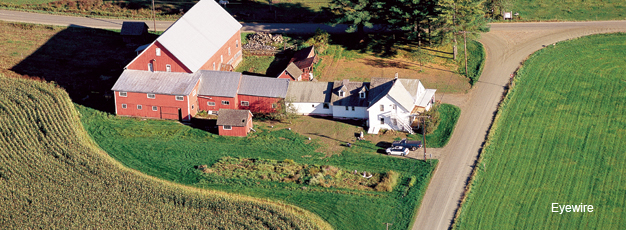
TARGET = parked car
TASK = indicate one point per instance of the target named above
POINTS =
(412, 145)
(398, 150)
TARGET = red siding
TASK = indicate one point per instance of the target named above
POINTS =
(203, 102)
(237, 131)
(167, 105)
(159, 62)
(235, 46)
(258, 104)
(284, 75)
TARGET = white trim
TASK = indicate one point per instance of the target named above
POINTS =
(139, 107)
(155, 108)
(153, 95)
(188, 107)
(115, 100)
(168, 68)
(230, 127)
(158, 52)
(247, 103)
(208, 103)
(176, 97)
(124, 106)
(120, 93)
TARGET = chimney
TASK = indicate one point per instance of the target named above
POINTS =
(345, 81)
(396, 75)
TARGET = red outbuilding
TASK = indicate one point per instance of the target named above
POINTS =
(205, 38)
(234, 122)
(218, 90)
(156, 95)
(261, 94)
(300, 66)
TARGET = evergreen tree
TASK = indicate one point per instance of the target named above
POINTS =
(358, 13)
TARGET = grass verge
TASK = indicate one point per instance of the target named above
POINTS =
(449, 115)
(52, 175)
(558, 138)
(475, 61)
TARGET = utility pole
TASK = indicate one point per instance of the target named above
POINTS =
(454, 51)
(153, 16)
(423, 133)
(388, 225)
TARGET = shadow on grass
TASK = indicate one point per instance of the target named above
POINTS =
(86, 62)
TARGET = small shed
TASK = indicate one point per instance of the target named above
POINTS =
(134, 32)
(233, 122)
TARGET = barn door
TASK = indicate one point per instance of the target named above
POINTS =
(180, 114)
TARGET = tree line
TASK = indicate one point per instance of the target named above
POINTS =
(433, 21)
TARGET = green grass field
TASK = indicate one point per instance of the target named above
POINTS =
(569, 10)
(558, 138)
(53, 176)
(169, 150)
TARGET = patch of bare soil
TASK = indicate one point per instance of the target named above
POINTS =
(435, 76)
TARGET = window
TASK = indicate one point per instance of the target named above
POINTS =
(138, 106)
(193, 107)
(213, 65)
(382, 107)
(150, 67)
(225, 102)
(227, 127)
(228, 51)
(154, 108)
(236, 43)
(168, 68)
(221, 59)
(123, 94)
(393, 106)
(210, 103)
(124, 106)
(382, 120)
(245, 103)
(274, 106)
(180, 98)
(352, 108)
(341, 94)
(326, 106)
(151, 95)
(347, 108)
(362, 95)
(158, 51)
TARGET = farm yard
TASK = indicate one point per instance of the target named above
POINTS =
(558, 138)
(52, 175)
(169, 150)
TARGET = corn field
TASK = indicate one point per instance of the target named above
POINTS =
(52, 175)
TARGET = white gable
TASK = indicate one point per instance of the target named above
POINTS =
(199, 34)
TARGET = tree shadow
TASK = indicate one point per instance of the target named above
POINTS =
(86, 62)
(255, 11)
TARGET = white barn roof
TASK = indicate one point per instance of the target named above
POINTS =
(199, 34)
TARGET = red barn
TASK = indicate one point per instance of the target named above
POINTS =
(300, 66)
(156, 95)
(218, 90)
(234, 122)
(261, 94)
(206, 37)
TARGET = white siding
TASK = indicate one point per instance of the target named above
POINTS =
(341, 112)
(389, 113)
(312, 109)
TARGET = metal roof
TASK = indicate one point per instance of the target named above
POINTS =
(263, 86)
(133, 28)
(307, 91)
(199, 34)
(402, 96)
(218, 83)
(293, 70)
(351, 94)
(170, 83)
(423, 102)
(412, 86)
(233, 117)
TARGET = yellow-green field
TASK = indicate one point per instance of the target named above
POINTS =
(53, 176)
(558, 138)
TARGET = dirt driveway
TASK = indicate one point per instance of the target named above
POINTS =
(507, 45)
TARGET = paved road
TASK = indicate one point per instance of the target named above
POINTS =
(507, 45)
(105, 23)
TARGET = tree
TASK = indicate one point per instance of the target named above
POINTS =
(460, 16)
(413, 16)
(358, 13)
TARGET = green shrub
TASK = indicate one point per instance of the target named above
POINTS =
(388, 182)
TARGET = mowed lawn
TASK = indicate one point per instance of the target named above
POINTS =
(559, 138)
(172, 151)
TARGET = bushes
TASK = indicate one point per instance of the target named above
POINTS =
(388, 182)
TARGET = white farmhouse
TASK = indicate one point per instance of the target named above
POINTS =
(310, 98)
(394, 103)
(385, 103)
